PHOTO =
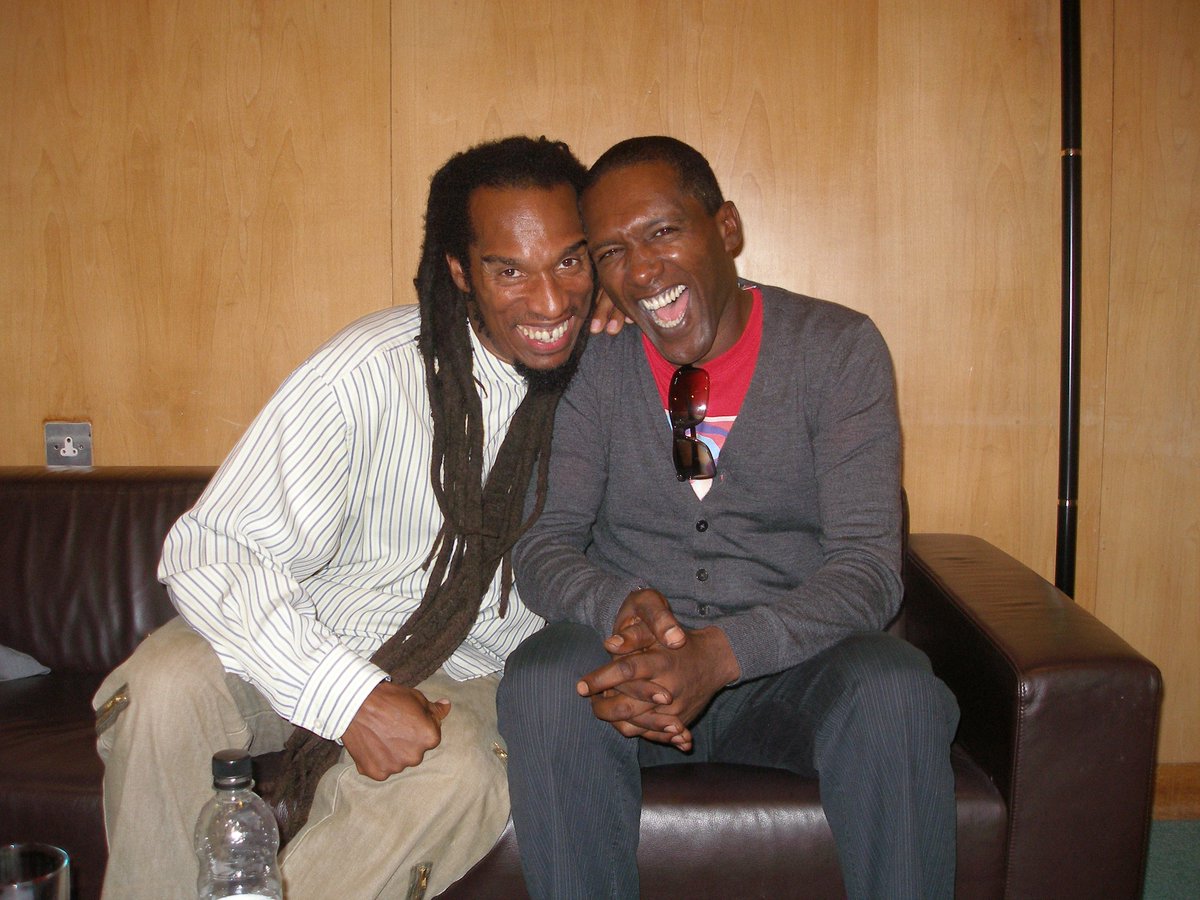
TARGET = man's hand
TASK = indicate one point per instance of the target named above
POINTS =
(393, 729)
(606, 316)
(689, 677)
(644, 619)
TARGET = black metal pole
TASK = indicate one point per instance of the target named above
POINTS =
(1072, 212)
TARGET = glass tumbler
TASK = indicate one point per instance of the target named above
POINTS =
(34, 872)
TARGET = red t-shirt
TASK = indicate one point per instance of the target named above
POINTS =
(728, 376)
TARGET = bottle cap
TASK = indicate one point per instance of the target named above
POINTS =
(231, 769)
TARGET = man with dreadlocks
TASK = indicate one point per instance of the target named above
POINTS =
(345, 577)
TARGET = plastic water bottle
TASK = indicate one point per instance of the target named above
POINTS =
(237, 839)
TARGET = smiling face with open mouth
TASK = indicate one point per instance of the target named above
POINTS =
(666, 262)
(528, 274)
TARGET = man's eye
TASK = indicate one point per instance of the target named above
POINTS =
(509, 273)
(606, 253)
(570, 262)
(665, 230)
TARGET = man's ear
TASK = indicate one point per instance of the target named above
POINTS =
(729, 221)
(458, 274)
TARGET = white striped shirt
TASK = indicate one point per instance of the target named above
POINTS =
(305, 552)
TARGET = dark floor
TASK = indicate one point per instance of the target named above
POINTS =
(1173, 867)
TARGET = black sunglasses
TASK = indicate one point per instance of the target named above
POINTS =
(687, 402)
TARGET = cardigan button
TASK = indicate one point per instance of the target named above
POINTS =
(702, 574)
(702, 525)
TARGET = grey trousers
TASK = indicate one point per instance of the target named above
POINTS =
(867, 717)
(363, 837)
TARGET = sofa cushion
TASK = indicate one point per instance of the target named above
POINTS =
(50, 775)
(714, 830)
(15, 664)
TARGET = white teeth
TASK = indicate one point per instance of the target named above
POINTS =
(542, 335)
(658, 301)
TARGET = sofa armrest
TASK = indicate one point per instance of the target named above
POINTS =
(1059, 711)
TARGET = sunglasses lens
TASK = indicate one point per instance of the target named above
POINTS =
(692, 458)
(687, 398)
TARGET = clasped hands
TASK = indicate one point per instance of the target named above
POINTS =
(662, 675)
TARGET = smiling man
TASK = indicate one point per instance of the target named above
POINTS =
(719, 554)
(345, 575)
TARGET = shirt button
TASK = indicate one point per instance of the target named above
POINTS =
(702, 574)
(702, 525)
(702, 609)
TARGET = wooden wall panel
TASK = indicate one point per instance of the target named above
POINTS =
(1097, 64)
(968, 188)
(781, 110)
(1150, 533)
(196, 194)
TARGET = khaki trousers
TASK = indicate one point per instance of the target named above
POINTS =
(363, 838)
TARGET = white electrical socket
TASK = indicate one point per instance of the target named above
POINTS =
(68, 444)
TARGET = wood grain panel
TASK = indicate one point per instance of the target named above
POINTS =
(1097, 62)
(782, 111)
(1177, 791)
(197, 196)
(969, 191)
(1150, 531)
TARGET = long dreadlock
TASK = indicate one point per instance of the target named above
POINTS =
(481, 521)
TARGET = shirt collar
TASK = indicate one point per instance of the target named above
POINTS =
(490, 370)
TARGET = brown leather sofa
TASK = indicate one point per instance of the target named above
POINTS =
(1054, 757)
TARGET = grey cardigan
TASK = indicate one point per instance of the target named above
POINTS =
(797, 544)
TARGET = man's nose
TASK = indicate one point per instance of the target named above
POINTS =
(550, 298)
(643, 266)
